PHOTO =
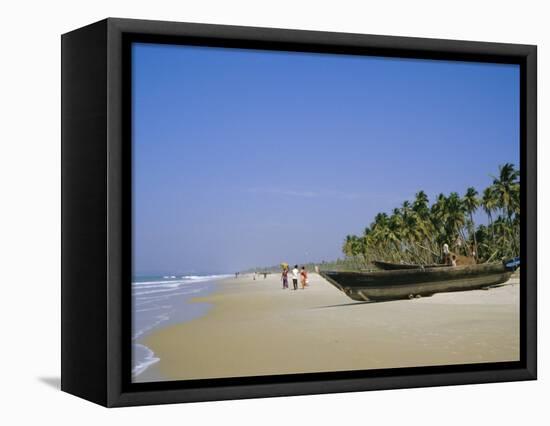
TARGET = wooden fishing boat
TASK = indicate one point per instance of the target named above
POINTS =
(389, 266)
(409, 283)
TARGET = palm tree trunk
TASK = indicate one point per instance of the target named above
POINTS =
(511, 228)
(491, 224)
(474, 234)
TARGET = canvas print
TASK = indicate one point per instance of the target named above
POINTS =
(305, 213)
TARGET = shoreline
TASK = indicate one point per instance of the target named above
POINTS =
(255, 328)
(140, 350)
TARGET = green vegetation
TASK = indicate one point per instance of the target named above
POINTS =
(416, 231)
(347, 264)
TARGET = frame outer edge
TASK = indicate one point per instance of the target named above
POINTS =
(83, 255)
(115, 224)
(116, 395)
(420, 44)
(531, 189)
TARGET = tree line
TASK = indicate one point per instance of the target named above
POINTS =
(416, 231)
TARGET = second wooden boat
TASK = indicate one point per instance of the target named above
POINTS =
(389, 266)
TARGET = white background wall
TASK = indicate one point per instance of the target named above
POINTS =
(30, 212)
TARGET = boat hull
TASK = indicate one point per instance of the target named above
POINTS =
(403, 284)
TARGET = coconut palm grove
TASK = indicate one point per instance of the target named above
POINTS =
(416, 231)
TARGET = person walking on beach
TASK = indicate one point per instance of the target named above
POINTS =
(295, 273)
(284, 277)
(303, 277)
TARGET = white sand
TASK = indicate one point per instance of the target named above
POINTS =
(256, 328)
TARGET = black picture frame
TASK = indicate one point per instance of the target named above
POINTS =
(96, 212)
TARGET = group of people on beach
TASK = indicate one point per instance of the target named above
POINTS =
(296, 274)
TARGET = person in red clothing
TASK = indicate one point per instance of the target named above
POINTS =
(303, 277)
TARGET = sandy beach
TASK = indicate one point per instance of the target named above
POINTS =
(257, 328)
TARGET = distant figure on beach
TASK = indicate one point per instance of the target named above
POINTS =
(473, 251)
(265, 275)
(236, 275)
(303, 277)
(284, 278)
(446, 254)
(295, 273)
(254, 276)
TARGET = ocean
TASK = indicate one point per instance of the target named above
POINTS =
(159, 301)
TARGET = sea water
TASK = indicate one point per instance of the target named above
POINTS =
(159, 301)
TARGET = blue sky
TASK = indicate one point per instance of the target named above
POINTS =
(245, 158)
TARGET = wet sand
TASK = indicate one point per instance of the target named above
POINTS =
(257, 328)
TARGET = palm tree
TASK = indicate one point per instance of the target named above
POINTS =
(347, 247)
(506, 188)
(455, 220)
(471, 203)
(483, 242)
(416, 231)
(437, 213)
(380, 220)
(365, 239)
(394, 233)
(421, 208)
(489, 203)
(420, 205)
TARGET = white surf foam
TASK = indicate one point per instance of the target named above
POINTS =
(143, 358)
